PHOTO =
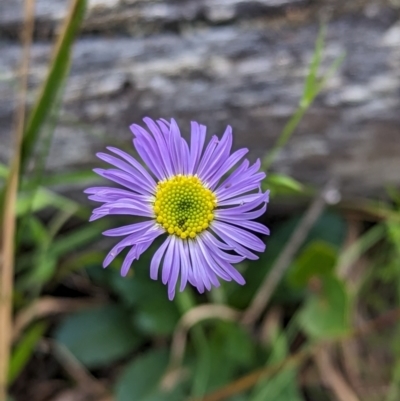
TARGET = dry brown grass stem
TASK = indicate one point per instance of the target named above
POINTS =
(267, 288)
(89, 385)
(9, 223)
(332, 377)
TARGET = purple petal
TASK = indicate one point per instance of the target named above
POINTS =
(145, 180)
(224, 214)
(173, 279)
(226, 166)
(123, 179)
(240, 236)
(219, 156)
(168, 261)
(129, 229)
(205, 160)
(131, 161)
(237, 247)
(185, 263)
(162, 145)
(109, 194)
(198, 280)
(197, 138)
(156, 260)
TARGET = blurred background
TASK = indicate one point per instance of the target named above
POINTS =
(312, 88)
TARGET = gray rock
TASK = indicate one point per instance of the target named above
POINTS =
(223, 62)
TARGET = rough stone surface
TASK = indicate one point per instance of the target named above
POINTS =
(223, 62)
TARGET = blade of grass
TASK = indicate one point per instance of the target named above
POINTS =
(45, 198)
(24, 350)
(310, 84)
(312, 87)
(10, 197)
(359, 247)
(59, 68)
(48, 129)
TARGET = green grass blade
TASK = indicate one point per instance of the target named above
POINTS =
(24, 350)
(359, 247)
(58, 70)
(310, 86)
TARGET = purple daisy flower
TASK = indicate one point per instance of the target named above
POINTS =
(191, 195)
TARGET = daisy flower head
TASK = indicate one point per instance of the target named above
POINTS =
(201, 197)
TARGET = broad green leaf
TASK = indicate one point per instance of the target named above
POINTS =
(235, 343)
(231, 351)
(156, 315)
(318, 258)
(140, 381)
(24, 349)
(98, 336)
(326, 314)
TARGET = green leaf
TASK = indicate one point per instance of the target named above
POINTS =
(318, 258)
(281, 184)
(99, 336)
(24, 349)
(156, 315)
(231, 352)
(235, 343)
(141, 378)
(326, 314)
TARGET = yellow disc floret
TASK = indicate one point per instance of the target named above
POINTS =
(184, 206)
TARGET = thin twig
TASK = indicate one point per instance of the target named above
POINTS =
(77, 371)
(328, 195)
(9, 222)
(248, 381)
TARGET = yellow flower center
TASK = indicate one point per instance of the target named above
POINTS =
(184, 206)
